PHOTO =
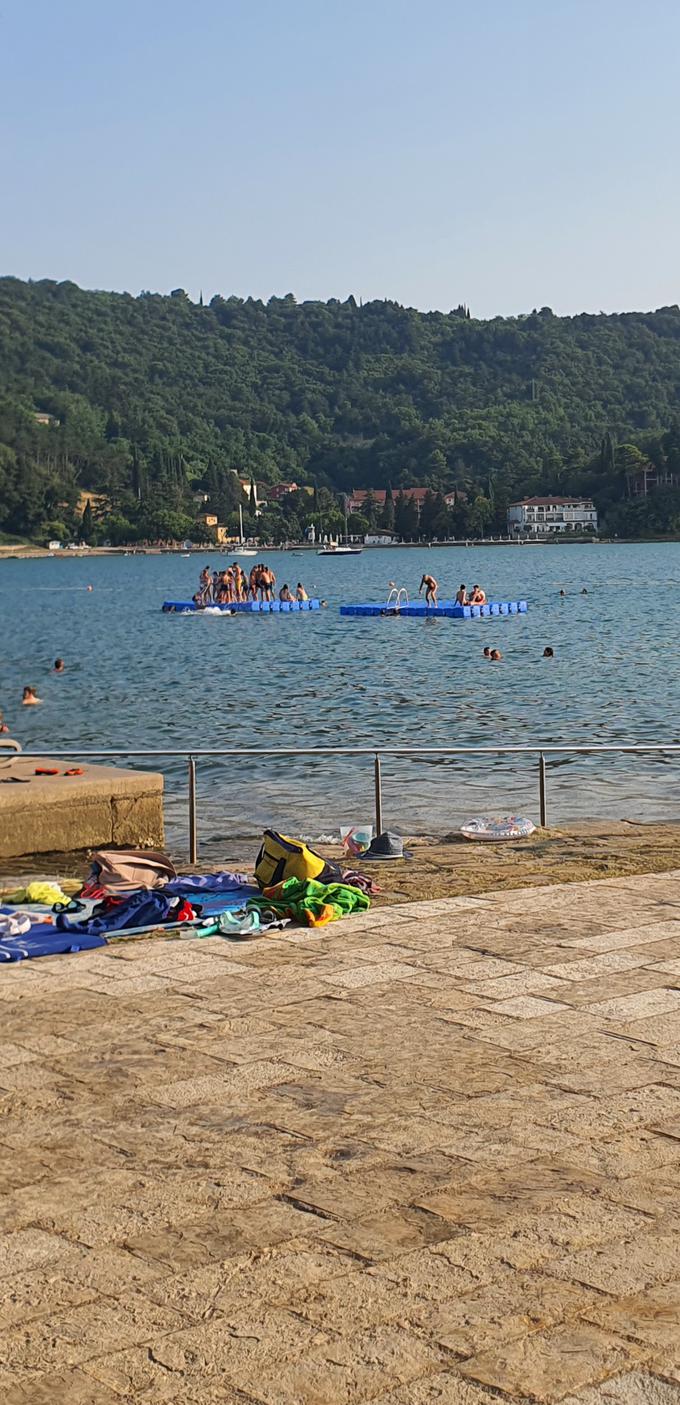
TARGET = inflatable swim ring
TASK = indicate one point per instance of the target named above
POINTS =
(494, 828)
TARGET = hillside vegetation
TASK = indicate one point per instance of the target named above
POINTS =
(158, 396)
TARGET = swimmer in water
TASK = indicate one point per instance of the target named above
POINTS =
(487, 652)
(430, 589)
(584, 591)
(495, 655)
(89, 587)
(563, 594)
(58, 665)
(30, 697)
(548, 653)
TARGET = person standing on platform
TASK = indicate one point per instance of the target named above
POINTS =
(430, 589)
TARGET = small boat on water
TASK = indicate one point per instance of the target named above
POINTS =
(337, 549)
(332, 548)
(243, 550)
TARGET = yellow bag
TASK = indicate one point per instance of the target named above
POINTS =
(281, 858)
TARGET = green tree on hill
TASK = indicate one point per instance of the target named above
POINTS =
(87, 522)
(386, 518)
(406, 523)
(134, 399)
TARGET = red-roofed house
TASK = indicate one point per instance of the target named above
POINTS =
(357, 498)
(276, 491)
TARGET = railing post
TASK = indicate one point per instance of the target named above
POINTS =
(193, 828)
(542, 791)
(378, 794)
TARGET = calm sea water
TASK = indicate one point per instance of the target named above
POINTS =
(138, 678)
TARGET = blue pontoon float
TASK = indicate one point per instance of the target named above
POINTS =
(242, 607)
(397, 603)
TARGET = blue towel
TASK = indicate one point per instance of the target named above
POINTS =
(144, 908)
(42, 940)
(211, 904)
(197, 883)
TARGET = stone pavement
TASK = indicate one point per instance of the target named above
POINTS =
(430, 1154)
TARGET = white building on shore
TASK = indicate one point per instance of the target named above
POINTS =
(534, 517)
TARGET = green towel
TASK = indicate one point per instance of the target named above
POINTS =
(310, 903)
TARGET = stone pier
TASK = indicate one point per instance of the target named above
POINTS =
(104, 805)
(429, 1155)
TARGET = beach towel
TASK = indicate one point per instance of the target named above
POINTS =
(141, 909)
(199, 883)
(310, 903)
(124, 870)
(46, 894)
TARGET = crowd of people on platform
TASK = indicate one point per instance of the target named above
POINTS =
(233, 586)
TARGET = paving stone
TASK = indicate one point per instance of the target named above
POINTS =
(360, 1301)
(670, 968)
(629, 937)
(511, 1306)
(626, 1156)
(444, 1388)
(38, 1293)
(652, 1316)
(271, 1186)
(380, 974)
(547, 1365)
(275, 1359)
(641, 1262)
(69, 1387)
(220, 1087)
(529, 1007)
(377, 1237)
(509, 986)
(655, 1030)
(27, 1249)
(639, 1006)
(585, 994)
(590, 968)
(633, 1388)
(273, 1276)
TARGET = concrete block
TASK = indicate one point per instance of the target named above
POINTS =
(106, 805)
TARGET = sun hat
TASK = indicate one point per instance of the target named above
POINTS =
(387, 846)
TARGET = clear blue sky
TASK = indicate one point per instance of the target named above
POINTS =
(504, 153)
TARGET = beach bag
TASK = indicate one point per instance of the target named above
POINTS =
(281, 858)
(123, 870)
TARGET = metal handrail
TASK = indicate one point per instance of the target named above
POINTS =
(191, 754)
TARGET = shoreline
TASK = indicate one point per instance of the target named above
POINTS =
(17, 553)
(447, 865)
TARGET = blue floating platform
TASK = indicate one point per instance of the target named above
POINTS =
(448, 609)
(243, 607)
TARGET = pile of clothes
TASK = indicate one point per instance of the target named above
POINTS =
(132, 893)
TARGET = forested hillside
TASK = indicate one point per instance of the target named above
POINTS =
(153, 397)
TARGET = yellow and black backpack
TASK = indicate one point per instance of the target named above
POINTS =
(281, 858)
